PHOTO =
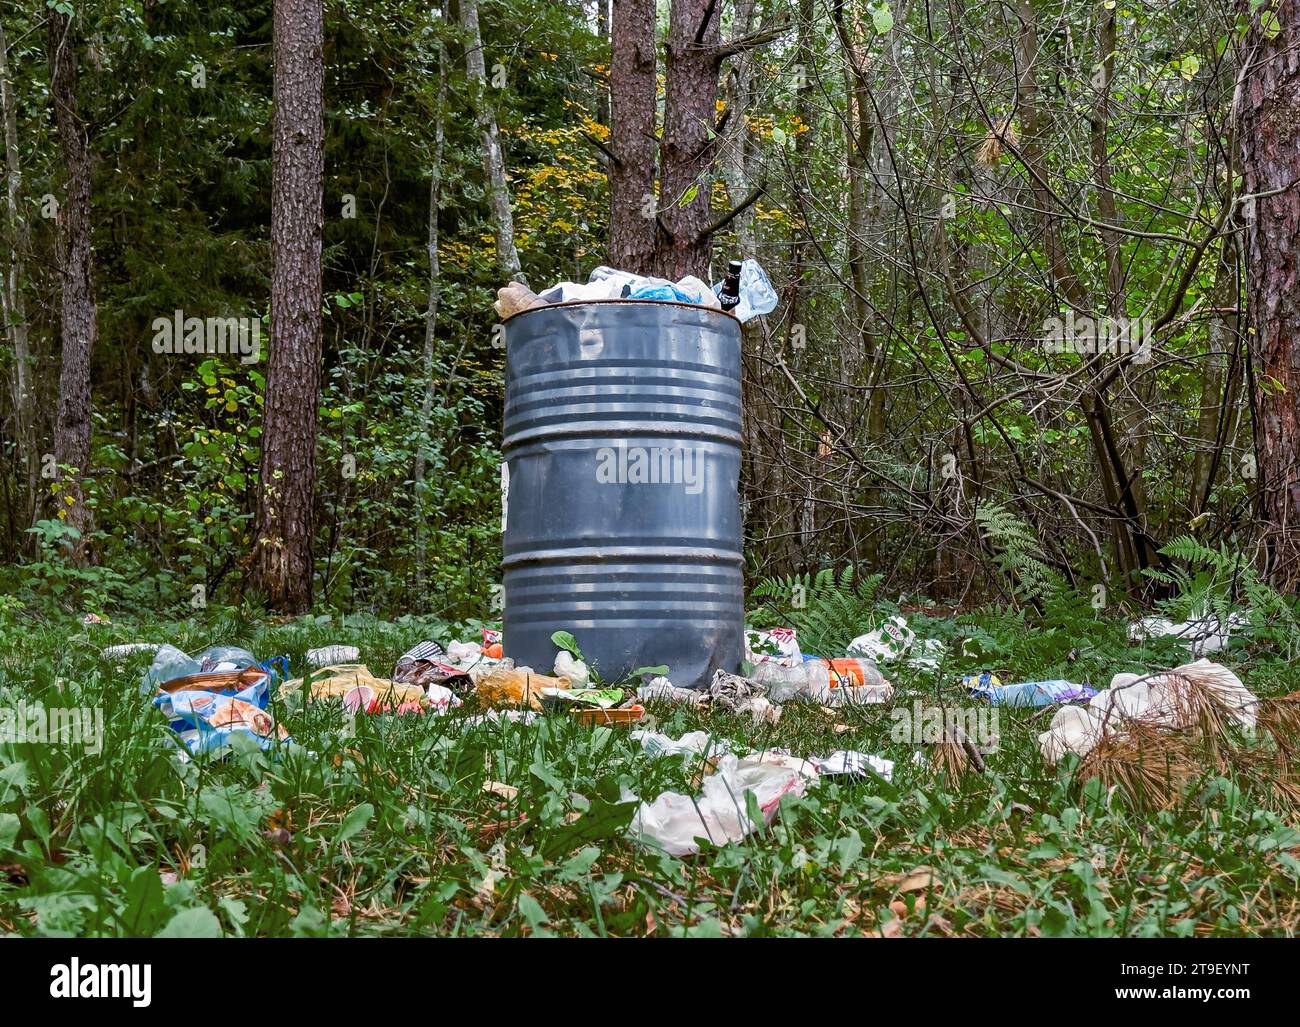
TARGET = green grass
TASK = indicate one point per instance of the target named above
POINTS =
(390, 831)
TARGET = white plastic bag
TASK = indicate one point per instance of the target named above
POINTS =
(720, 814)
(757, 297)
(759, 643)
(888, 642)
(566, 666)
(1158, 699)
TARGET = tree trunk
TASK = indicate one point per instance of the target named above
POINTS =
(632, 137)
(686, 153)
(1214, 419)
(282, 555)
(1270, 157)
(430, 314)
(13, 305)
(78, 314)
(494, 167)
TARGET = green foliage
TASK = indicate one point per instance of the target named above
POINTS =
(387, 829)
(827, 610)
(1017, 553)
(1217, 582)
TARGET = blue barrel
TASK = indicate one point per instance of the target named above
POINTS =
(622, 517)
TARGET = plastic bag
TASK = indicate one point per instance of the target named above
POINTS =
(215, 721)
(567, 666)
(170, 663)
(757, 297)
(888, 642)
(1030, 693)
(775, 645)
(511, 687)
(1161, 699)
(720, 813)
(329, 654)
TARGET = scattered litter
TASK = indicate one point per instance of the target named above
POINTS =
(209, 711)
(853, 763)
(1028, 693)
(830, 682)
(423, 666)
(461, 653)
(170, 663)
(1164, 699)
(118, 652)
(364, 699)
(720, 814)
(982, 681)
(662, 688)
(1200, 635)
(332, 654)
(742, 695)
(775, 645)
(888, 642)
(841, 762)
(580, 698)
(338, 682)
(894, 640)
(510, 686)
(492, 717)
(609, 718)
(568, 666)
(693, 743)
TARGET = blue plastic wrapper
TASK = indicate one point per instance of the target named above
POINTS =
(208, 720)
(1032, 693)
(664, 292)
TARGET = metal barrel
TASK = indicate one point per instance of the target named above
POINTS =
(621, 505)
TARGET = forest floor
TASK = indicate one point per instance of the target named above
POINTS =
(392, 830)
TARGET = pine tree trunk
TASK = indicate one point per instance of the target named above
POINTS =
(282, 557)
(78, 314)
(494, 167)
(1270, 157)
(687, 150)
(632, 137)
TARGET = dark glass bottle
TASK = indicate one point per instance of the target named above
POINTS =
(730, 295)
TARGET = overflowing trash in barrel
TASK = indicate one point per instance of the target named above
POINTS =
(745, 291)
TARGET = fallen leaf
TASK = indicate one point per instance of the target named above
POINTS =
(918, 879)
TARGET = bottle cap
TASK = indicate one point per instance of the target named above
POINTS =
(733, 267)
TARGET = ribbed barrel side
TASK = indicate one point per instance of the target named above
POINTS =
(622, 440)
